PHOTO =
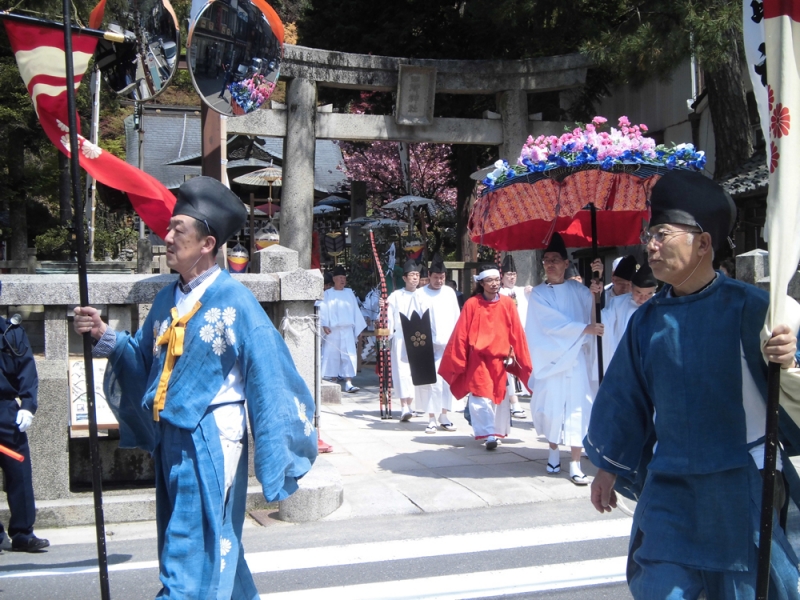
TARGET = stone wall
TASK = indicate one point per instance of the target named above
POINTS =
(125, 301)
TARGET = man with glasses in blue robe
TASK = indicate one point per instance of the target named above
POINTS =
(687, 386)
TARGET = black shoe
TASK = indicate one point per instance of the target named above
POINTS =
(31, 544)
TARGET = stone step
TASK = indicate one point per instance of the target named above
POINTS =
(331, 392)
(118, 507)
(321, 492)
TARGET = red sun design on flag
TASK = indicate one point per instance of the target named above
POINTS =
(774, 157)
(780, 121)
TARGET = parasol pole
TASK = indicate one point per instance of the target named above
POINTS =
(768, 476)
(94, 447)
(597, 307)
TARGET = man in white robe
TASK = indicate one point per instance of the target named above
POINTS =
(617, 313)
(342, 322)
(621, 276)
(560, 331)
(436, 398)
(403, 302)
(520, 296)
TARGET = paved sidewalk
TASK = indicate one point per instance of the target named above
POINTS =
(389, 467)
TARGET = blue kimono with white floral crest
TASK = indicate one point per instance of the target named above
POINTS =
(199, 529)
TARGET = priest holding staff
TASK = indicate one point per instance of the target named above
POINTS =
(561, 335)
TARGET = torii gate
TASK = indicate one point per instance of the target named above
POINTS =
(416, 82)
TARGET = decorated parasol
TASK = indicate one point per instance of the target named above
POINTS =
(589, 185)
(558, 182)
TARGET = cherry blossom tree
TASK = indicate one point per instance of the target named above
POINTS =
(378, 164)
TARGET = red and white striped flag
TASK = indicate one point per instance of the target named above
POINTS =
(782, 53)
(40, 55)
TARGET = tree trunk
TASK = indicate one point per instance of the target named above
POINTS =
(466, 159)
(18, 220)
(64, 191)
(727, 102)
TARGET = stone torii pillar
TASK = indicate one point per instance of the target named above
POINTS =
(299, 148)
(513, 108)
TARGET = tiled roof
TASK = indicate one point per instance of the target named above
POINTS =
(749, 178)
(167, 137)
(172, 149)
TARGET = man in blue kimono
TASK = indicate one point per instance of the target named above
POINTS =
(180, 386)
(687, 386)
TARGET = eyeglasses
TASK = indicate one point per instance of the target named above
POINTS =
(552, 261)
(659, 237)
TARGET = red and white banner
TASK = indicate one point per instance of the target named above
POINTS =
(782, 38)
(40, 57)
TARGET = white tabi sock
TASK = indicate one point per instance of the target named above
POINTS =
(575, 469)
(554, 458)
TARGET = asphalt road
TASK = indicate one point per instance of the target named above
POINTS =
(561, 550)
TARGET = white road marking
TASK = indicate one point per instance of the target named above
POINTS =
(352, 554)
(329, 556)
(483, 584)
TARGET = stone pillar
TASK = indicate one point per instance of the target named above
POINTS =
(47, 437)
(297, 195)
(753, 266)
(529, 267)
(56, 344)
(513, 107)
(144, 256)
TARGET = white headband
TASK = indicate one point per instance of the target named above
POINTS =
(487, 273)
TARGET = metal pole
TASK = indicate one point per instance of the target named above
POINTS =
(768, 475)
(94, 448)
(139, 109)
(91, 184)
(597, 309)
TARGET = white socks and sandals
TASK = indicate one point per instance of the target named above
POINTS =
(576, 474)
(444, 423)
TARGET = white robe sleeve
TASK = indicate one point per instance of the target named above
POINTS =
(554, 339)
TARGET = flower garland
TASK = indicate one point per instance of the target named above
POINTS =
(250, 94)
(586, 145)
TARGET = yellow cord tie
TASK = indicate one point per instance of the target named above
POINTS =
(173, 337)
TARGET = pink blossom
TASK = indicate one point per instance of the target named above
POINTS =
(624, 122)
(599, 120)
(643, 127)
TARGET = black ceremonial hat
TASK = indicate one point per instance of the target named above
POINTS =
(437, 265)
(208, 201)
(644, 277)
(327, 278)
(423, 270)
(508, 265)
(689, 198)
(626, 268)
(556, 245)
(339, 270)
(410, 266)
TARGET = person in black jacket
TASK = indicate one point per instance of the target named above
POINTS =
(19, 385)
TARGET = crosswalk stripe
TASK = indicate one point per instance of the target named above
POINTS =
(476, 585)
(331, 556)
(352, 554)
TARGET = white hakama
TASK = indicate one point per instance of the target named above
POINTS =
(401, 302)
(562, 355)
(340, 312)
(489, 418)
(444, 310)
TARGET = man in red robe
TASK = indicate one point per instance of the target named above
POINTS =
(487, 344)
